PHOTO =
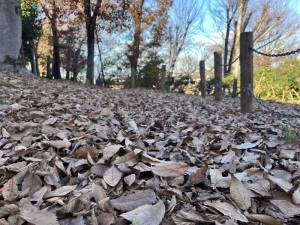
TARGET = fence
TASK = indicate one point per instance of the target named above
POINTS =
(246, 71)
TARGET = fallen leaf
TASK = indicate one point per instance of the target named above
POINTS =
(62, 191)
(111, 150)
(10, 190)
(239, 194)
(130, 202)
(170, 169)
(40, 218)
(227, 210)
(112, 176)
(146, 214)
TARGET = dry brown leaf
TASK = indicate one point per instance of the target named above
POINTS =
(127, 160)
(106, 219)
(130, 202)
(296, 196)
(265, 219)
(98, 192)
(106, 206)
(112, 176)
(261, 187)
(130, 179)
(197, 177)
(287, 208)
(59, 192)
(40, 218)
(111, 150)
(59, 144)
(239, 194)
(10, 190)
(37, 196)
(32, 182)
(227, 210)
(170, 169)
(286, 186)
(217, 179)
(248, 145)
(84, 151)
(8, 209)
(146, 214)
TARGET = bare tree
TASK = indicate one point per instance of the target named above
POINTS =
(273, 23)
(186, 19)
(145, 15)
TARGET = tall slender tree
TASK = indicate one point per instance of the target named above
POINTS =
(51, 10)
(145, 14)
(31, 31)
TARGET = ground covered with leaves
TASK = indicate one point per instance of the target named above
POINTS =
(75, 154)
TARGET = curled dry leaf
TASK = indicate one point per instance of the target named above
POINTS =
(59, 144)
(265, 219)
(146, 214)
(197, 177)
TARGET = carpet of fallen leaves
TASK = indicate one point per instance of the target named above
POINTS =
(75, 154)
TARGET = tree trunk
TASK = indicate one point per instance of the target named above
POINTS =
(11, 30)
(136, 43)
(56, 56)
(36, 56)
(90, 53)
(32, 58)
(235, 66)
(90, 31)
(49, 74)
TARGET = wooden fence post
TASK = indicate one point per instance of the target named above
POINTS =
(218, 76)
(202, 78)
(163, 78)
(246, 58)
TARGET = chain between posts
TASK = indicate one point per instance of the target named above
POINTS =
(227, 95)
(278, 114)
(276, 55)
(230, 63)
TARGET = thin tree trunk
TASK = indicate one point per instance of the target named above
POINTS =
(90, 57)
(235, 66)
(90, 30)
(32, 57)
(56, 51)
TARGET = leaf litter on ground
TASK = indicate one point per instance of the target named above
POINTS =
(75, 154)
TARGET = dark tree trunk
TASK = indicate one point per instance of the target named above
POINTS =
(68, 75)
(56, 50)
(90, 30)
(32, 57)
(49, 75)
(90, 56)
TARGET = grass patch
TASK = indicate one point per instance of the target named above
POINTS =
(289, 134)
